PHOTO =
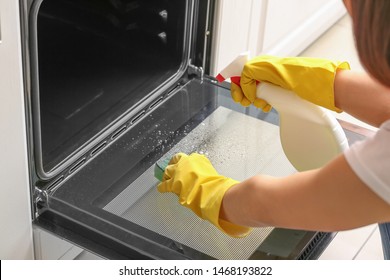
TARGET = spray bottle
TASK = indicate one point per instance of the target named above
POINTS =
(309, 134)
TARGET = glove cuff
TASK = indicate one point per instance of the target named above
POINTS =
(322, 93)
(213, 207)
(233, 230)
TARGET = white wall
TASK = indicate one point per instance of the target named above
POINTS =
(291, 26)
(278, 27)
(15, 214)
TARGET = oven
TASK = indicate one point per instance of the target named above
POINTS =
(112, 87)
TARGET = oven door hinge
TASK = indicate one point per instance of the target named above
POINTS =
(40, 199)
(197, 71)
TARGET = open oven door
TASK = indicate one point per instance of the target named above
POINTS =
(115, 86)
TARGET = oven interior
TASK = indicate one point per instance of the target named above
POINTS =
(96, 60)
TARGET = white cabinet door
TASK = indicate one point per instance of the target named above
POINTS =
(238, 27)
(15, 213)
(291, 26)
(279, 27)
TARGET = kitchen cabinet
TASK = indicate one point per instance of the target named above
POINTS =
(277, 27)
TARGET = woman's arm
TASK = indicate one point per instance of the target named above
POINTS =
(328, 199)
(361, 96)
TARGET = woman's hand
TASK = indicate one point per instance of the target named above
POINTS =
(200, 188)
(310, 78)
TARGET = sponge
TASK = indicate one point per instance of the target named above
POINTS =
(159, 168)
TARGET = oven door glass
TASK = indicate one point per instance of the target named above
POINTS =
(114, 200)
(94, 61)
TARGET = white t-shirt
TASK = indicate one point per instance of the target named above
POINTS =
(370, 159)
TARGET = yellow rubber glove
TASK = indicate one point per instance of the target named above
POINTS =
(310, 78)
(200, 188)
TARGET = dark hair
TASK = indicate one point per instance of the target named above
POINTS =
(371, 27)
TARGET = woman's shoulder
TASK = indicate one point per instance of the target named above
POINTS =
(370, 160)
(385, 126)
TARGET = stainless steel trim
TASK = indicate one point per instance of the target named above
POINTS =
(206, 35)
(97, 149)
(77, 165)
(118, 132)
